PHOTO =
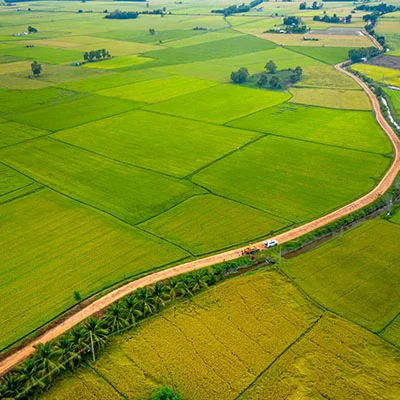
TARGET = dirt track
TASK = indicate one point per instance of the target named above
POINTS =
(100, 304)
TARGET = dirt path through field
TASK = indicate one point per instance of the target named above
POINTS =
(105, 301)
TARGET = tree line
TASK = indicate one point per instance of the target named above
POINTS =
(314, 6)
(357, 55)
(235, 9)
(117, 14)
(96, 54)
(272, 77)
(334, 19)
(74, 348)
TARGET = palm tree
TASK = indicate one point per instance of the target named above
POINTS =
(65, 352)
(145, 300)
(198, 280)
(28, 374)
(175, 288)
(45, 359)
(160, 294)
(116, 317)
(10, 385)
(78, 339)
(94, 326)
(131, 309)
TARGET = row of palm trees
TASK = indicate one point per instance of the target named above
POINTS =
(39, 371)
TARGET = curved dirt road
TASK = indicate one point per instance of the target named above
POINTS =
(105, 301)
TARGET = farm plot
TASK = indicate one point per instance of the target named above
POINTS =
(15, 67)
(220, 104)
(335, 360)
(45, 54)
(12, 101)
(392, 331)
(13, 132)
(386, 61)
(209, 50)
(76, 112)
(326, 76)
(118, 62)
(285, 177)
(11, 180)
(171, 145)
(345, 41)
(130, 193)
(53, 246)
(204, 224)
(110, 79)
(353, 276)
(387, 75)
(350, 129)
(331, 55)
(208, 349)
(395, 98)
(342, 99)
(156, 90)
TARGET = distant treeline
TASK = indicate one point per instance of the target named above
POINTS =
(334, 19)
(235, 9)
(382, 8)
(117, 14)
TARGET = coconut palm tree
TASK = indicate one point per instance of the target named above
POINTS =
(45, 359)
(197, 280)
(175, 288)
(145, 301)
(10, 386)
(131, 309)
(78, 339)
(95, 327)
(28, 374)
(116, 317)
(160, 294)
(66, 353)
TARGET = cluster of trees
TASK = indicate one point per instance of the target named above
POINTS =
(36, 68)
(235, 9)
(334, 19)
(31, 29)
(371, 20)
(314, 6)
(96, 54)
(39, 371)
(356, 55)
(117, 14)
(275, 81)
(291, 24)
(382, 8)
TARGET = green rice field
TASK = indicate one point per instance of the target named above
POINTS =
(118, 167)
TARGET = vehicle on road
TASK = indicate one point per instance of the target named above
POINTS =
(270, 243)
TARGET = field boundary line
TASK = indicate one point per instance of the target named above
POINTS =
(329, 310)
(278, 357)
(312, 141)
(117, 294)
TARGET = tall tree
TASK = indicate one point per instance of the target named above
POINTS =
(36, 68)
(270, 66)
(94, 327)
(175, 288)
(145, 301)
(131, 309)
(116, 317)
(46, 361)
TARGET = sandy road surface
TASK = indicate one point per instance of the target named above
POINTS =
(105, 301)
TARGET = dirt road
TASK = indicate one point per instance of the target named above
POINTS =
(105, 301)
